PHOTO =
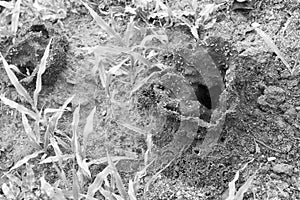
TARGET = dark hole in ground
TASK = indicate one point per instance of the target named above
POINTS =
(203, 95)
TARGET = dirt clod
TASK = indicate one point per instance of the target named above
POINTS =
(282, 168)
(26, 55)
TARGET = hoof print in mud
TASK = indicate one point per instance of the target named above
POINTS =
(191, 88)
(180, 95)
(27, 53)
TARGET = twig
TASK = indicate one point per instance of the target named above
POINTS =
(262, 143)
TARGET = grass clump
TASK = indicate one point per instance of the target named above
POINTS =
(105, 182)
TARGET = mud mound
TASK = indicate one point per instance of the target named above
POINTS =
(27, 53)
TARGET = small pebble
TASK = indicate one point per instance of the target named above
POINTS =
(282, 168)
(297, 108)
(291, 112)
(292, 83)
(280, 122)
(275, 94)
(271, 159)
(285, 74)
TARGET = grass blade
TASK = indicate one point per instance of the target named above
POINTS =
(105, 51)
(131, 190)
(131, 127)
(103, 73)
(15, 17)
(117, 178)
(117, 67)
(54, 120)
(14, 80)
(207, 11)
(129, 33)
(28, 129)
(140, 58)
(29, 179)
(75, 123)
(96, 185)
(271, 45)
(76, 151)
(62, 143)
(36, 128)
(46, 187)
(116, 50)
(76, 146)
(75, 186)
(52, 192)
(8, 5)
(162, 38)
(52, 159)
(104, 160)
(14, 179)
(25, 160)
(18, 107)
(240, 193)
(9, 191)
(103, 24)
(107, 194)
(41, 70)
(148, 152)
(52, 110)
(59, 154)
(117, 197)
(88, 128)
(232, 188)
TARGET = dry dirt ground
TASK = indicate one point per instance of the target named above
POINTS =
(262, 98)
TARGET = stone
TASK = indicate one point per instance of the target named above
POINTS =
(282, 168)
(274, 94)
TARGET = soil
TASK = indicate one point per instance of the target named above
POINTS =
(218, 103)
